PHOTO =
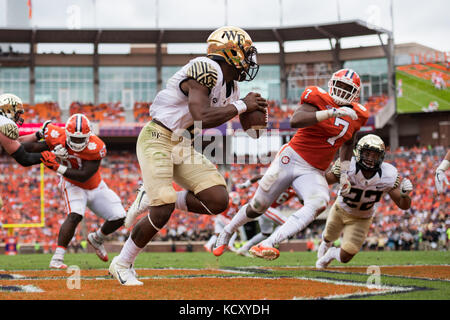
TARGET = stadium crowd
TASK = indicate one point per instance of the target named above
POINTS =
(115, 112)
(425, 226)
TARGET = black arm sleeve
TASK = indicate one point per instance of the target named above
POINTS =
(26, 159)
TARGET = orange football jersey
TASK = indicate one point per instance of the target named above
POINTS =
(284, 197)
(317, 144)
(95, 150)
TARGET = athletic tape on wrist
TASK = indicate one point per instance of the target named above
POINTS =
(240, 106)
(323, 115)
(61, 169)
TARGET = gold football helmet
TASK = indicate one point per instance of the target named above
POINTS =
(234, 46)
(370, 151)
(11, 107)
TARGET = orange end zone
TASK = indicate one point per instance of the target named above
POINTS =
(205, 288)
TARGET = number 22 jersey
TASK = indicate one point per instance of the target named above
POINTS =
(317, 144)
(364, 193)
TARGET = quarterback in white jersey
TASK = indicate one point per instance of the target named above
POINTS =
(352, 214)
(204, 90)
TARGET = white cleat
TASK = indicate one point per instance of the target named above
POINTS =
(244, 253)
(98, 246)
(139, 205)
(323, 248)
(322, 264)
(221, 243)
(125, 274)
(57, 264)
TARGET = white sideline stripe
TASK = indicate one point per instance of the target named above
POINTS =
(26, 288)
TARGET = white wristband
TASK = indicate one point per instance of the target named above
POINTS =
(61, 169)
(324, 115)
(240, 106)
(445, 164)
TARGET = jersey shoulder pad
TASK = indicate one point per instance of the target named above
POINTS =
(203, 72)
(95, 150)
(9, 128)
(315, 96)
(362, 112)
(54, 135)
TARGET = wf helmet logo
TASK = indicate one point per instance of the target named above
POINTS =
(232, 35)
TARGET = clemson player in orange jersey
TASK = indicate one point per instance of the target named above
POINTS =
(327, 122)
(76, 156)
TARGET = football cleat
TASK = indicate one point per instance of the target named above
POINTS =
(125, 274)
(139, 205)
(57, 264)
(244, 253)
(323, 248)
(98, 246)
(267, 253)
(322, 263)
(221, 243)
(208, 249)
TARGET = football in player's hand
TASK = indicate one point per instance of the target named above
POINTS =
(253, 123)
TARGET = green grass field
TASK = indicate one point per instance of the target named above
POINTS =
(424, 288)
(418, 93)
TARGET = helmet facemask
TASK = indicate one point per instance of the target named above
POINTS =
(78, 132)
(343, 91)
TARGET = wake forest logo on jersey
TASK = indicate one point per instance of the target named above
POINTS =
(203, 73)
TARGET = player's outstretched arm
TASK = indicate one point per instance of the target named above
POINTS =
(18, 152)
(307, 115)
(201, 110)
(400, 195)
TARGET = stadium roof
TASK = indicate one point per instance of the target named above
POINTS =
(310, 32)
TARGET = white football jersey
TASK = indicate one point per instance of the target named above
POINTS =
(366, 192)
(171, 104)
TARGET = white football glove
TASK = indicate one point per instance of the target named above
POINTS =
(40, 133)
(405, 187)
(439, 179)
(344, 112)
(61, 152)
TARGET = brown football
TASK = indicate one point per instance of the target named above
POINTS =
(255, 120)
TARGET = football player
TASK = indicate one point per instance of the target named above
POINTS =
(204, 90)
(370, 178)
(221, 220)
(77, 154)
(440, 177)
(327, 122)
(11, 110)
(269, 219)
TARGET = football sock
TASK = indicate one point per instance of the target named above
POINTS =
(59, 253)
(100, 236)
(296, 223)
(250, 243)
(238, 220)
(129, 252)
(211, 241)
(180, 204)
(232, 240)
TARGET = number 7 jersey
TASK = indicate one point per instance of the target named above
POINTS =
(317, 144)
